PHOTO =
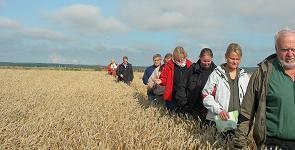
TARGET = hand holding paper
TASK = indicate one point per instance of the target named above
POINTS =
(229, 124)
(223, 115)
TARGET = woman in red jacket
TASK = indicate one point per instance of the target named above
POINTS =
(175, 76)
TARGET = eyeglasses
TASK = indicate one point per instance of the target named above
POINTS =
(288, 49)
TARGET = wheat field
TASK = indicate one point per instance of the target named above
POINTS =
(51, 109)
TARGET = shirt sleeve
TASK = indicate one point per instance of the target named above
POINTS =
(209, 92)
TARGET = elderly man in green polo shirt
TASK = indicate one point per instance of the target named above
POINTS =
(269, 102)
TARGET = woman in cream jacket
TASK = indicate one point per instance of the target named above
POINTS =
(226, 86)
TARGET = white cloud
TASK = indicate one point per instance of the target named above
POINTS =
(163, 15)
(15, 30)
(133, 48)
(193, 24)
(6, 23)
(54, 58)
(86, 20)
(44, 34)
(198, 18)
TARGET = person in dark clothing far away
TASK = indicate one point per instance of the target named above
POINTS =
(198, 76)
(125, 71)
(157, 58)
(270, 99)
(174, 77)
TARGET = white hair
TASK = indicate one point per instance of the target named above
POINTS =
(283, 31)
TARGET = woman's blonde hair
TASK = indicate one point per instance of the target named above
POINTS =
(234, 47)
(177, 51)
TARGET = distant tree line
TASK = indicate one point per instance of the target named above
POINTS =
(72, 67)
(77, 67)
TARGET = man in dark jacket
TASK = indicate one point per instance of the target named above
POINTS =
(270, 99)
(125, 71)
(157, 58)
(149, 70)
(198, 76)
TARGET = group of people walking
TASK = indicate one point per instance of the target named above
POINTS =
(265, 101)
(200, 89)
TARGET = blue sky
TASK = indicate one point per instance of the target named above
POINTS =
(95, 31)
